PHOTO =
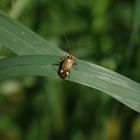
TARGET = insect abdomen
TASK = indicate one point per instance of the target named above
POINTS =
(63, 74)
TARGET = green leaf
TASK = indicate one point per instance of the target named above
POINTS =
(24, 42)
(28, 65)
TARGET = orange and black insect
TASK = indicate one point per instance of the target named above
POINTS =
(66, 63)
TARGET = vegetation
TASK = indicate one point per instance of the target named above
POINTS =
(40, 108)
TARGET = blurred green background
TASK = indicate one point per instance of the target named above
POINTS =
(104, 32)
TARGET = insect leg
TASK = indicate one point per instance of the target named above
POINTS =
(74, 66)
(62, 58)
(55, 64)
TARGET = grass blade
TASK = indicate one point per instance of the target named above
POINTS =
(117, 86)
(22, 41)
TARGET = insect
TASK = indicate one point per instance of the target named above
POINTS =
(66, 63)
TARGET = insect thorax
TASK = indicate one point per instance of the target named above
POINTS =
(71, 57)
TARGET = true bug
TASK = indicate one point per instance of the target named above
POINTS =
(66, 63)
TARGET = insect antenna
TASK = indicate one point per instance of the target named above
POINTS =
(67, 42)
